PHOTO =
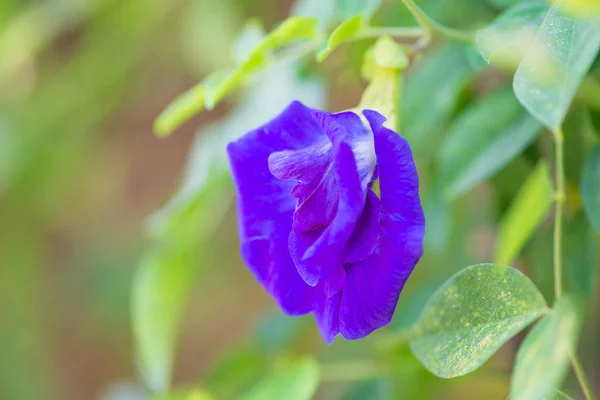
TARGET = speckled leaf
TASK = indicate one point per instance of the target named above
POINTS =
(483, 139)
(507, 38)
(558, 60)
(542, 362)
(296, 381)
(590, 187)
(525, 214)
(472, 315)
(345, 31)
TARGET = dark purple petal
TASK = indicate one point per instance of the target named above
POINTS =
(365, 238)
(265, 206)
(327, 319)
(373, 286)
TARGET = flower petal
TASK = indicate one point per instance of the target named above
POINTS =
(327, 319)
(265, 206)
(372, 287)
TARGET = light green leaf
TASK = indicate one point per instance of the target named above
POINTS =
(483, 139)
(558, 60)
(430, 96)
(590, 187)
(542, 362)
(525, 214)
(247, 40)
(216, 86)
(472, 315)
(580, 256)
(506, 40)
(581, 8)
(345, 31)
(289, 31)
(297, 380)
(184, 107)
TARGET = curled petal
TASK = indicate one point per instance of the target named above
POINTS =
(319, 254)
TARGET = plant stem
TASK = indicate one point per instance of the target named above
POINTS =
(397, 32)
(351, 371)
(583, 382)
(560, 199)
(432, 27)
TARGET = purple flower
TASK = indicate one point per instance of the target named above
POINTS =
(312, 230)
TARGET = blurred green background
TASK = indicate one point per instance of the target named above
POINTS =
(81, 82)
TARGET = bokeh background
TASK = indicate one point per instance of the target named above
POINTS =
(81, 173)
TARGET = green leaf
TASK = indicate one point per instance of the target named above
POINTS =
(372, 390)
(348, 8)
(194, 394)
(438, 219)
(430, 96)
(160, 287)
(277, 331)
(555, 394)
(483, 139)
(580, 256)
(182, 228)
(558, 60)
(323, 10)
(472, 315)
(525, 214)
(590, 187)
(542, 362)
(345, 31)
(235, 371)
(506, 40)
(297, 380)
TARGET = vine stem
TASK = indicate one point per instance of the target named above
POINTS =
(557, 251)
(398, 32)
(431, 27)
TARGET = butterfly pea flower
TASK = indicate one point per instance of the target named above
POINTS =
(312, 229)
